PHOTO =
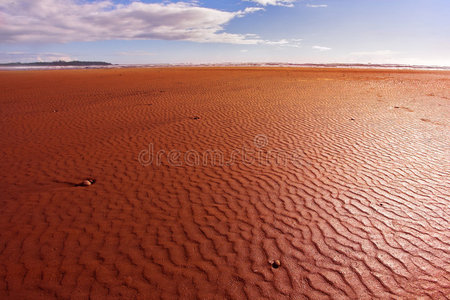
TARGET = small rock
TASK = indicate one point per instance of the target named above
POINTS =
(87, 182)
(196, 118)
(353, 119)
(275, 263)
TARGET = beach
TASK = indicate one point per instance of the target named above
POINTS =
(224, 182)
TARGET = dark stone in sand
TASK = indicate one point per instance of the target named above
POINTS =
(275, 263)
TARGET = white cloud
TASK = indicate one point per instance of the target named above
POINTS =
(321, 48)
(374, 53)
(317, 5)
(248, 10)
(287, 3)
(72, 20)
(285, 43)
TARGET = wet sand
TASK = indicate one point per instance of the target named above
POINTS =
(206, 176)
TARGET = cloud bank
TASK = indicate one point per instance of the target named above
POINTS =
(21, 56)
(287, 3)
(70, 20)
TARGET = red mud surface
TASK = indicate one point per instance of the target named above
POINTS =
(345, 182)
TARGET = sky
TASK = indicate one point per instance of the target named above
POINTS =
(226, 31)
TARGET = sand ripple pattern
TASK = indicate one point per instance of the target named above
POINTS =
(358, 209)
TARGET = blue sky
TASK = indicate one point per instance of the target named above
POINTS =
(302, 31)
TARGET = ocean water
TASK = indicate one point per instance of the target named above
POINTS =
(292, 65)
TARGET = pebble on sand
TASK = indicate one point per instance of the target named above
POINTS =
(196, 118)
(87, 182)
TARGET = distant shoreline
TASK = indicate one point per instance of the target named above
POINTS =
(56, 64)
(105, 65)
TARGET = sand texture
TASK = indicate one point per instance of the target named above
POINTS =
(344, 181)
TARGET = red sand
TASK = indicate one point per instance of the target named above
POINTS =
(357, 207)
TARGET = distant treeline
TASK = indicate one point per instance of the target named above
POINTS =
(57, 63)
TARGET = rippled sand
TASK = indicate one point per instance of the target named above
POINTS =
(205, 175)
